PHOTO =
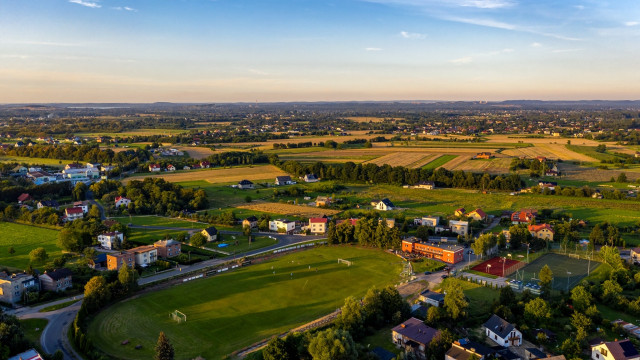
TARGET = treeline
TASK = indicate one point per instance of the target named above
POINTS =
(232, 158)
(399, 175)
(87, 153)
(534, 165)
(10, 189)
(366, 232)
(584, 191)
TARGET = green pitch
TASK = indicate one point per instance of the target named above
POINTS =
(25, 238)
(228, 312)
(567, 272)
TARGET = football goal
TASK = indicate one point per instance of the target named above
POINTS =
(574, 256)
(178, 316)
(343, 261)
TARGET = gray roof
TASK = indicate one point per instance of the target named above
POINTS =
(387, 202)
(245, 182)
(499, 326)
(211, 230)
(283, 178)
(432, 295)
(416, 330)
(621, 350)
(59, 274)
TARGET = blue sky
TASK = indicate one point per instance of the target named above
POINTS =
(309, 50)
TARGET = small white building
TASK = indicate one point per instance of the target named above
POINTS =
(287, 225)
(502, 332)
(459, 227)
(111, 240)
(384, 205)
(122, 201)
(311, 178)
(431, 221)
(144, 255)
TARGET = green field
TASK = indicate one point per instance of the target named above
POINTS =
(160, 221)
(567, 272)
(591, 152)
(243, 244)
(436, 163)
(480, 298)
(25, 238)
(34, 161)
(230, 311)
(427, 265)
(33, 329)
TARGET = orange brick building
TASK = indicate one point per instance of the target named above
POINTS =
(115, 261)
(451, 254)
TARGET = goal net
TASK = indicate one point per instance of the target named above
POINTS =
(178, 316)
(342, 261)
(574, 256)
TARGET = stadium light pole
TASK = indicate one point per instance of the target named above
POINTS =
(568, 275)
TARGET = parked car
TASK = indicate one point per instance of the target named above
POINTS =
(444, 276)
(427, 272)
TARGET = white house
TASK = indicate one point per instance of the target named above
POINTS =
(144, 255)
(111, 240)
(459, 227)
(283, 180)
(384, 205)
(311, 178)
(614, 350)
(122, 201)
(154, 167)
(171, 168)
(502, 332)
(285, 224)
(73, 213)
(211, 233)
(431, 221)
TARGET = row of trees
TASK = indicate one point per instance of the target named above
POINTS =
(368, 231)
(87, 153)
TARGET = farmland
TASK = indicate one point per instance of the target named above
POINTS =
(34, 161)
(219, 176)
(289, 209)
(411, 160)
(439, 161)
(23, 239)
(491, 166)
(227, 312)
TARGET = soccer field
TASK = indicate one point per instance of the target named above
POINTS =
(25, 238)
(230, 311)
(567, 272)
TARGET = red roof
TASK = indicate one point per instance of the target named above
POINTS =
(480, 212)
(318, 220)
(536, 228)
(24, 197)
(522, 216)
(73, 210)
(352, 221)
(154, 166)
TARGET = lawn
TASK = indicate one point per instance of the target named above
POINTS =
(436, 163)
(58, 306)
(242, 243)
(567, 272)
(230, 311)
(427, 265)
(33, 329)
(160, 221)
(34, 161)
(25, 238)
(480, 297)
(591, 152)
(221, 196)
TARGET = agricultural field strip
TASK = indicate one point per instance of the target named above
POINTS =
(219, 175)
(424, 161)
(497, 165)
(455, 162)
(400, 159)
(289, 209)
(439, 161)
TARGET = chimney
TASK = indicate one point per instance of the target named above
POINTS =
(403, 325)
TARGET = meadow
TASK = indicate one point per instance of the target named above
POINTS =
(289, 209)
(153, 220)
(230, 311)
(25, 238)
(439, 161)
(218, 175)
(34, 161)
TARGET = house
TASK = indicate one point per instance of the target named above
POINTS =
(614, 350)
(464, 349)
(524, 216)
(542, 231)
(117, 260)
(245, 184)
(99, 262)
(154, 167)
(171, 168)
(251, 222)
(551, 173)
(283, 180)
(318, 225)
(414, 336)
(451, 254)
(459, 227)
(311, 178)
(384, 205)
(13, 286)
(93, 165)
(122, 201)
(30, 354)
(48, 203)
(205, 164)
(282, 225)
(40, 177)
(323, 201)
(211, 233)
(483, 155)
(459, 212)
(391, 222)
(547, 185)
(541, 159)
(478, 215)
(432, 298)
(429, 185)
(167, 248)
(186, 167)
(111, 240)
(431, 221)
(20, 169)
(534, 354)
(84, 205)
(73, 213)
(144, 255)
(57, 280)
(24, 197)
(502, 332)
(19, 144)
(635, 255)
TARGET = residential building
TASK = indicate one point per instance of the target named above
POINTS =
(318, 225)
(635, 255)
(57, 280)
(24, 197)
(13, 286)
(205, 164)
(414, 336)
(41, 177)
(283, 180)
(154, 167)
(547, 185)
(250, 221)
(460, 212)
(122, 201)
(459, 227)
(211, 233)
(20, 169)
(451, 254)
(98, 262)
(311, 178)
(524, 216)
(483, 155)
(73, 166)
(464, 349)
(614, 350)
(73, 213)
(93, 165)
(48, 203)
(245, 184)
(30, 354)
(167, 248)
(111, 240)
(428, 185)
(323, 201)
(171, 168)
(282, 225)
(144, 255)
(478, 215)
(432, 298)
(384, 205)
(542, 231)
(502, 332)
(431, 221)
(117, 260)
(84, 205)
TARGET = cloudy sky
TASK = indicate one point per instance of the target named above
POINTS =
(308, 50)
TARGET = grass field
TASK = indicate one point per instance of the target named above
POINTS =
(567, 272)
(33, 328)
(222, 196)
(439, 161)
(230, 311)
(289, 209)
(243, 245)
(402, 159)
(492, 166)
(25, 238)
(159, 221)
(480, 297)
(427, 265)
(219, 176)
(34, 161)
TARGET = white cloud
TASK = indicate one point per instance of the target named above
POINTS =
(579, 7)
(565, 50)
(90, 4)
(372, 49)
(410, 35)
(631, 23)
(126, 8)
(536, 45)
(480, 4)
(487, 4)
(463, 60)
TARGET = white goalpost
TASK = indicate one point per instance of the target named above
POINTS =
(178, 316)
(343, 261)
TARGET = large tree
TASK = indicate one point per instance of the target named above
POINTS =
(197, 240)
(38, 255)
(537, 312)
(333, 344)
(546, 276)
(581, 298)
(454, 300)
(351, 318)
(164, 349)
(276, 349)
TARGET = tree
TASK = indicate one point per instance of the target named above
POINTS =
(546, 276)
(164, 349)
(333, 344)
(246, 230)
(351, 318)
(94, 212)
(38, 255)
(423, 233)
(182, 236)
(276, 349)
(537, 312)
(247, 199)
(519, 234)
(96, 286)
(582, 324)
(611, 256)
(11, 250)
(440, 345)
(75, 240)
(483, 244)
(434, 315)
(570, 348)
(622, 178)
(197, 240)
(507, 296)
(454, 301)
(581, 298)
(79, 191)
(611, 291)
(127, 277)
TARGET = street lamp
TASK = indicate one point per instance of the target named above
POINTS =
(488, 268)
(568, 276)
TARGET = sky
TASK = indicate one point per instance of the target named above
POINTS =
(316, 50)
